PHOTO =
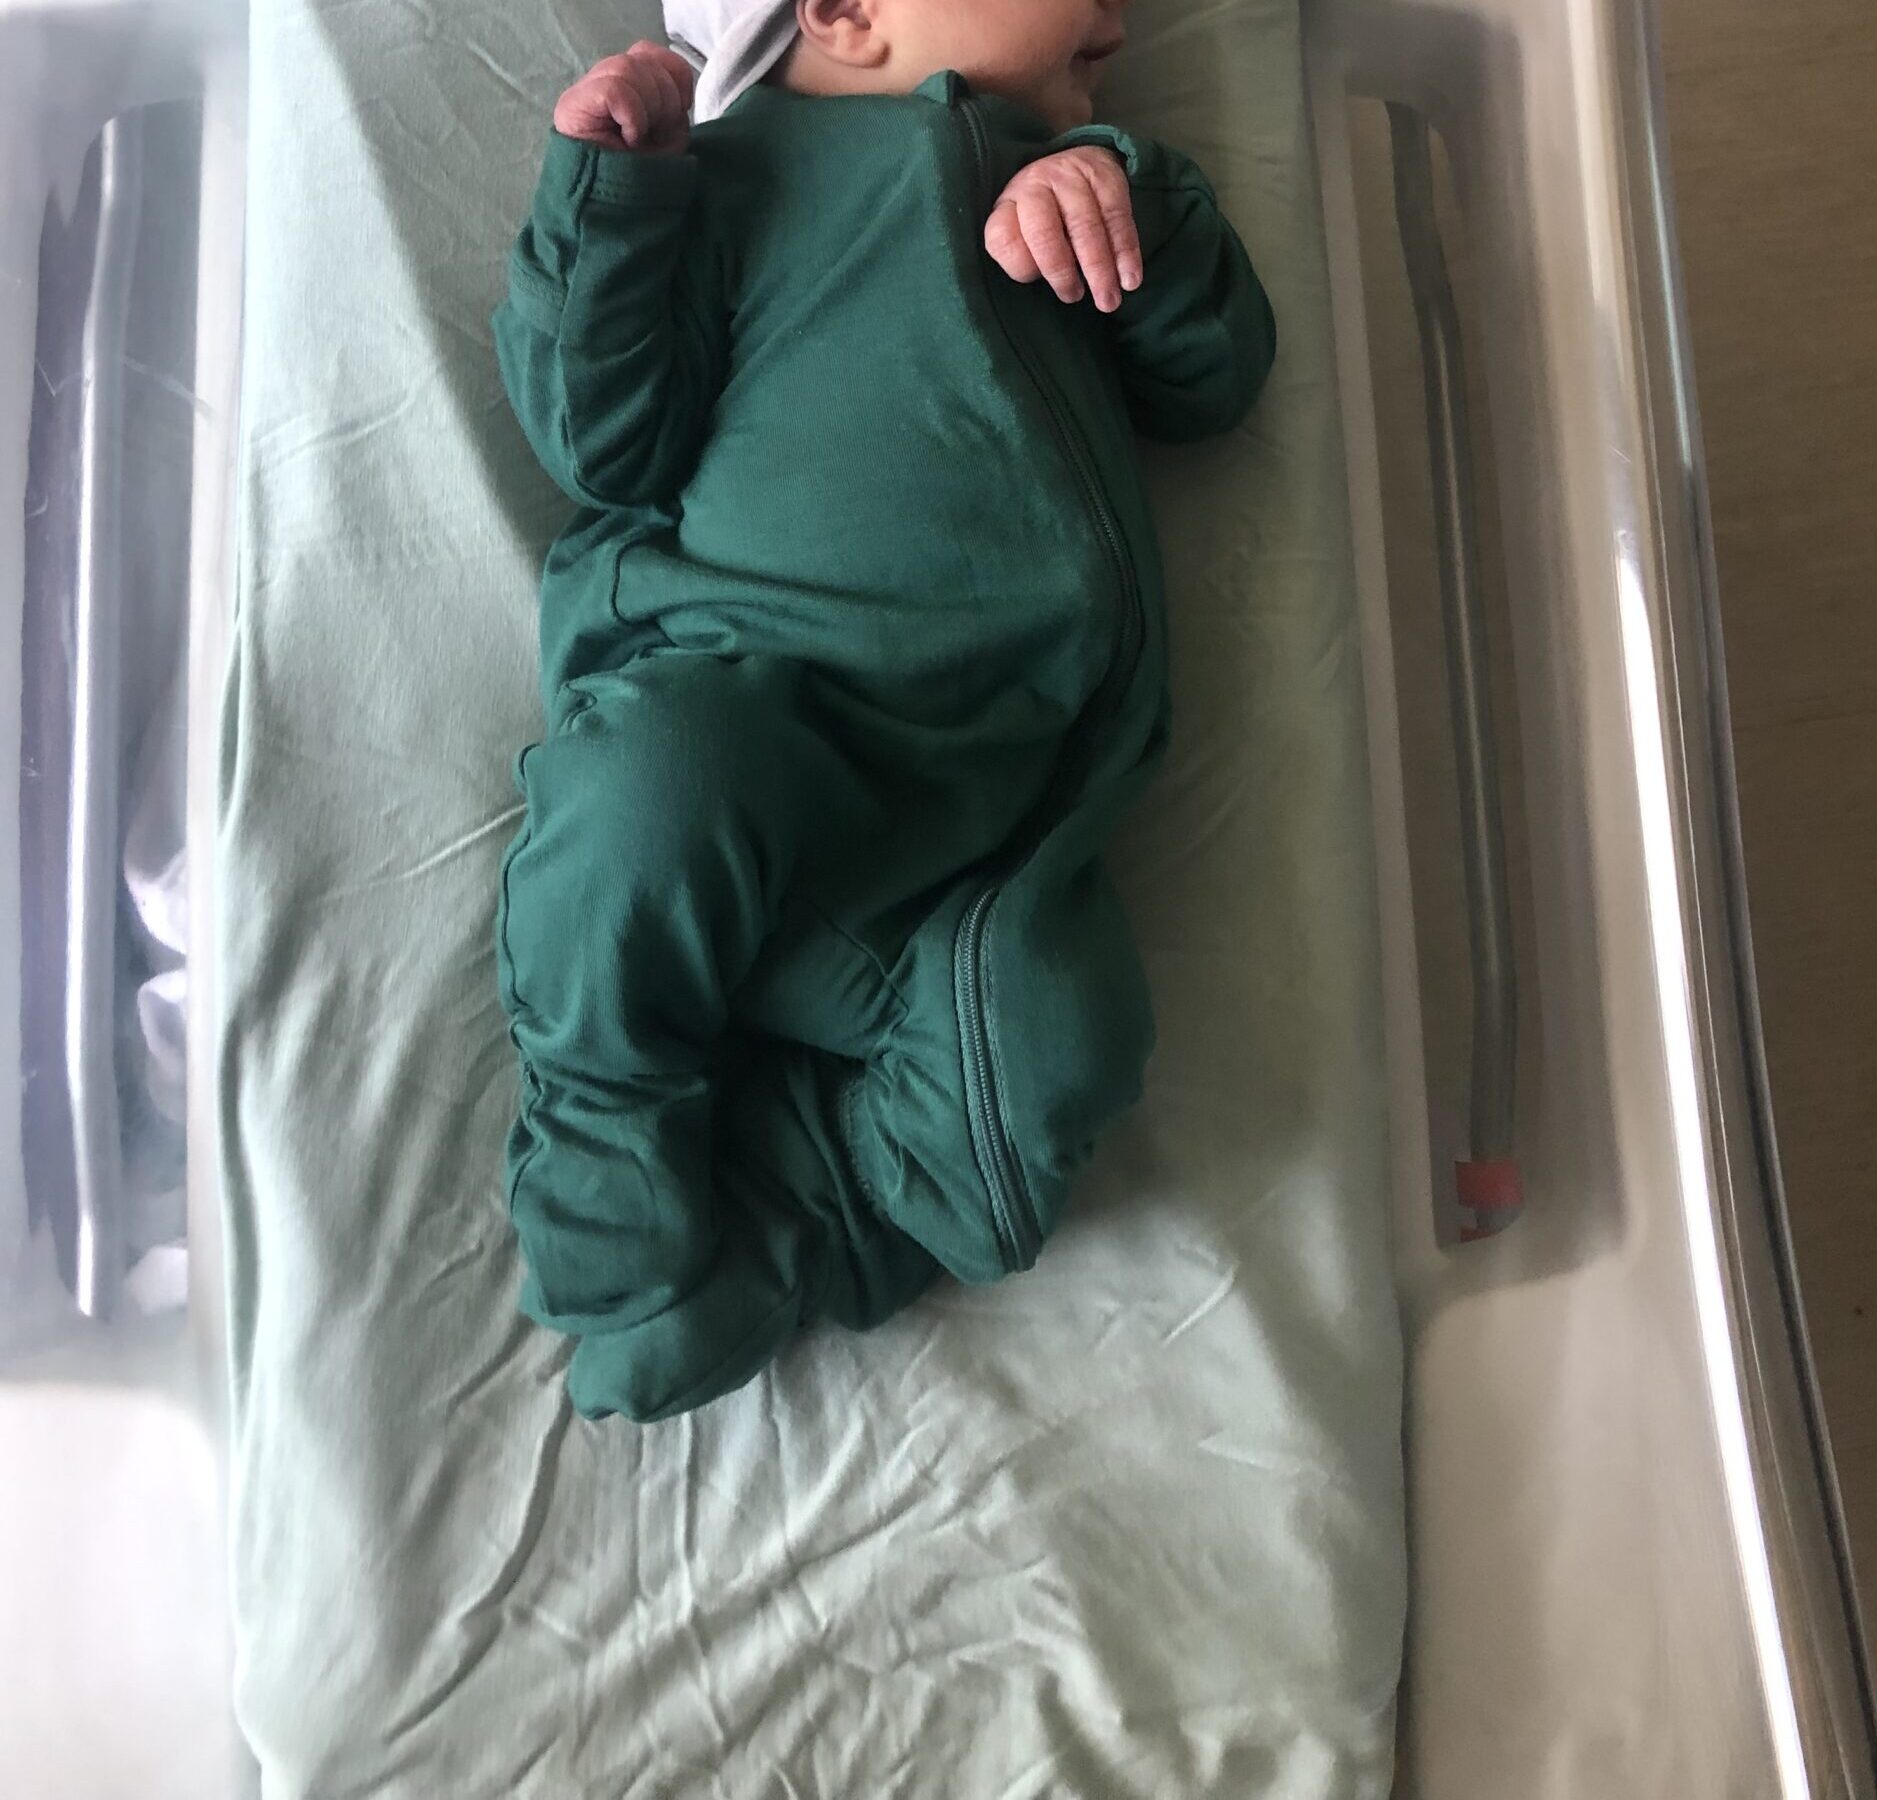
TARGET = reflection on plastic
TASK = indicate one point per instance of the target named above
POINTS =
(104, 903)
(1684, 1086)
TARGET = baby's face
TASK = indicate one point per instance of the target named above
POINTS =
(1045, 54)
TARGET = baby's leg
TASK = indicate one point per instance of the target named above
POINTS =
(1026, 1033)
(666, 819)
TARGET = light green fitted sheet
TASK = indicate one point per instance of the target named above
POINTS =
(1127, 1525)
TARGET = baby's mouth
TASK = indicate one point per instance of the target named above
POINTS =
(1091, 55)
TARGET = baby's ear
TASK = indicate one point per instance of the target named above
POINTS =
(850, 32)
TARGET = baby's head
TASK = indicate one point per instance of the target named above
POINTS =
(1044, 54)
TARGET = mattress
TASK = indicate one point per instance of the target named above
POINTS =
(1130, 1524)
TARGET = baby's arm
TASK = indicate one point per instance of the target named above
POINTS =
(611, 351)
(1191, 323)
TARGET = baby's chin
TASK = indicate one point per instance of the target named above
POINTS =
(1069, 103)
(1062, 104)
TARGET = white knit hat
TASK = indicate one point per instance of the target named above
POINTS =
(732, 44)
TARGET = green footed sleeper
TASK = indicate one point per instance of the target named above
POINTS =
(851, 656)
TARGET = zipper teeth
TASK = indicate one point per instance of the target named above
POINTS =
(1007, 1180)
(1002, 1171)
(1005, 1151)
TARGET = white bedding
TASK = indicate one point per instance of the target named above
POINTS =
(1128, 1525)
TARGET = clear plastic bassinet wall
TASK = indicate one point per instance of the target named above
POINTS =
(1629, 1567)
(1628, 1564)
(121, 163)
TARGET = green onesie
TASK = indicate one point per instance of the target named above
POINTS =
(851, 655)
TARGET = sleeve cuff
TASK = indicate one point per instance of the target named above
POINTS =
(577, 171)
(1105, 137)
(1150, 166)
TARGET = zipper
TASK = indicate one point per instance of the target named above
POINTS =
(1019, 1232)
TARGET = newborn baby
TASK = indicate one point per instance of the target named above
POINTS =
(852, 655)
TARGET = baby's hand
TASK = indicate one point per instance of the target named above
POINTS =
(1068, 218)
(639, 101)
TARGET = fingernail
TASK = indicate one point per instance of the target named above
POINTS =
(1130, 279)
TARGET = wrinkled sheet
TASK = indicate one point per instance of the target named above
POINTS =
(1127, 1525)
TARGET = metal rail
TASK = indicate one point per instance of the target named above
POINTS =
(1494, 1052)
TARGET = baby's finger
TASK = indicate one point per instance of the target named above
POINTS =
(673, 65)
(1088, 234)
(582, 112)
(673, 107)
(1110, 182)
(1003, 239)
(629, 112)
(1040, 215)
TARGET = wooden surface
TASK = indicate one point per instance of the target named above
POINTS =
(1773, 131)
